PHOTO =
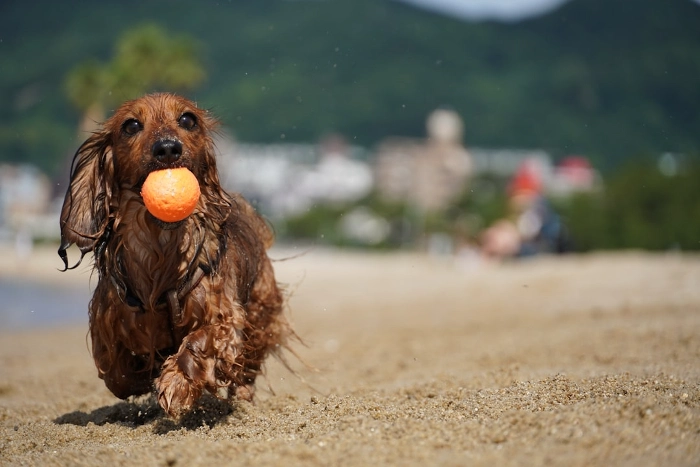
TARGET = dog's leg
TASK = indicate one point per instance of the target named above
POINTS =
(128, 376)
(124, 373)
(187, 373)
(267, 330)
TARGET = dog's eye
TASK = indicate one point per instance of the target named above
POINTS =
(187, 121)
(132, 126)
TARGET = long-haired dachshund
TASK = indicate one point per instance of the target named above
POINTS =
(183, 307)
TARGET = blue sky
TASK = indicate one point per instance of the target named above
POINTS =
(508, 10)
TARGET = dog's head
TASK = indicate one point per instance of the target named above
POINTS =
(158, 131)
(154, 132)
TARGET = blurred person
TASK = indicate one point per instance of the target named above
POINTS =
(532, 226)
(501, 240)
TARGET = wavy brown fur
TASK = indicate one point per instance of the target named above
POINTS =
(190, 306)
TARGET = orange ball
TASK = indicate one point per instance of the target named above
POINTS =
(170, 194)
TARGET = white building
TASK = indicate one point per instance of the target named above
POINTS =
(288, 179)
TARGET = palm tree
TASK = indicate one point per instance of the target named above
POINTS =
(145, 58)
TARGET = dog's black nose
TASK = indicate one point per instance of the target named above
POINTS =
(167, 151)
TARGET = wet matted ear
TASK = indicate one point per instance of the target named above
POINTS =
(85, 212)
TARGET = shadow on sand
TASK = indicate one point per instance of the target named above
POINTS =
(209, 412)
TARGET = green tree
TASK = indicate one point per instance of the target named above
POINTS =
(639, 208)
(145, 58)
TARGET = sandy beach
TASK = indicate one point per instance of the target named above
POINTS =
(407, 360)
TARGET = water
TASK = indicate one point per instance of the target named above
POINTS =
(26, 305)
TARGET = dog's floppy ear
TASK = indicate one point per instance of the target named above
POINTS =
(85, 213)
(217, 201)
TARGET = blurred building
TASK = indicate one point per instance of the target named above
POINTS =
(430, 173)
(574, 174)
(504, 162)
(288, 179)
(25, 196)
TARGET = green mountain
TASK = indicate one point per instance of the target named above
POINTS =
(606, 78)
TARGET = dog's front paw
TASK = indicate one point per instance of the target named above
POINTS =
(176, 393)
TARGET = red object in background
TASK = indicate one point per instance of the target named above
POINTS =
(577, 171)
(526, 180)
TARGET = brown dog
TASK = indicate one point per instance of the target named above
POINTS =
(189, 306)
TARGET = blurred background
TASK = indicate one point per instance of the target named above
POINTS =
(475, 128)
(410, 155)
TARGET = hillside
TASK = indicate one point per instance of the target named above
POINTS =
(612, 80)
